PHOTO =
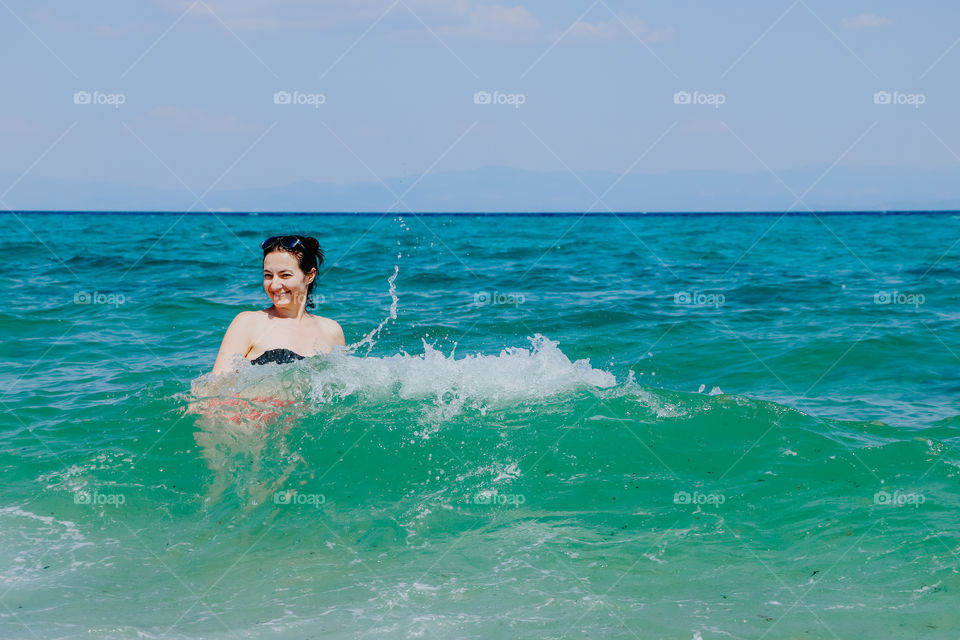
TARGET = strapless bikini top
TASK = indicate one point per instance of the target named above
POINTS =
(277, 356)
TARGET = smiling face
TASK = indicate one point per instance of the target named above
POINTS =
(284, 281)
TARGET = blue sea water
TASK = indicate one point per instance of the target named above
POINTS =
(689, 427)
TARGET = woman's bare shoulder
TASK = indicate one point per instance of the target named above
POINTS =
(323, 321)
(249, 319)
(245, 317)
(329, 327)
(327, 324)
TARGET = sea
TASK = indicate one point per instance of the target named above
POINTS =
(636, 426)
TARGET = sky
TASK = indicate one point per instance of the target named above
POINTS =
(230, 94)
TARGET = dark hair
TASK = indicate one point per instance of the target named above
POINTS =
(308, 252)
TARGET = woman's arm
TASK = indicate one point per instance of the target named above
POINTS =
(236, 341)
(328, 336)
(338, 334)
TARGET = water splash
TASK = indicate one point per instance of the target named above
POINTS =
(371, 338)
(450, 384)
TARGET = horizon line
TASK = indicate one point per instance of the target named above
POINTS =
(826, 212)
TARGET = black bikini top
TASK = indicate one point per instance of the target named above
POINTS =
(278, 356)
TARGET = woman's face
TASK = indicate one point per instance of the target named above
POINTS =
(283, 280)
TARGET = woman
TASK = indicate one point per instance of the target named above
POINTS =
(285, 332)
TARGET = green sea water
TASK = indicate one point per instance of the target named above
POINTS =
(684, 427)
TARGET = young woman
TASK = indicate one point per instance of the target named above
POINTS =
(284, 332)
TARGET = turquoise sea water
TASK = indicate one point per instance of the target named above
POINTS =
(604, 427)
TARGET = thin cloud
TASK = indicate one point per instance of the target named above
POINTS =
(173, 117)
(493, 22)
(301, 15)
(865, 21)
(111, 30)
(614, 29)
(704, 126)
(20, 127)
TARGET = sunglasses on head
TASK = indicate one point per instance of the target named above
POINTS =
(287, 242)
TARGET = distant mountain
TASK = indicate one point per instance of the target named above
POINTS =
(499, 189)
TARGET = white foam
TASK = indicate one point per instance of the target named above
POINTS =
(476, 380)
(27, 545)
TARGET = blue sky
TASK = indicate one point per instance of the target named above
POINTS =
(397, 80)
